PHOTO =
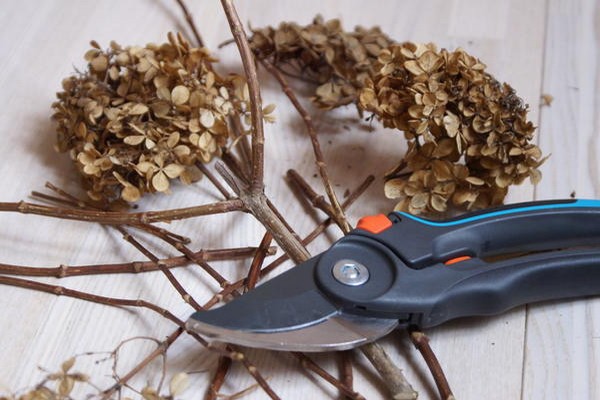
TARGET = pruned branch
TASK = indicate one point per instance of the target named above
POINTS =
(256, 113)
(124, 218)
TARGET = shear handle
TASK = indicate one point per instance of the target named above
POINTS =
(525, 227)
(477, 288)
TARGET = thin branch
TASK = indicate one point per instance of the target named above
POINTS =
(317, 200)
(73, 201)
(421, 342)
(176, 284)
(161, 349)
(346, 367)
(258, 204)
(213, 179)
(252, 370)
(256, 113)
(133, 267)
(190, 21)
(219, 378)
(116, 218)
(340, 218)
(94, 298)
(314, 367)
(392, 376)
(235, 166)
(257, 261)
(241, 139)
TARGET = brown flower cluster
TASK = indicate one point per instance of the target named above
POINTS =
(139, 117)
(322, 52)
(468, 134)
(469, 137)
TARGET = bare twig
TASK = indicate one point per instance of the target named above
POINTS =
(190, 21)
(338, 213)
(213, 179)
(115, 218)
(241, 139)
(317, 200)
(346, 367)
(133, 267)
(392, 375)
(218, 378)
(172, 279)
(252, 370)
(94, 298)
(421, 342)
(259, 206)
(160, 350)
(257, 261)
(256, 113)
(312, 366)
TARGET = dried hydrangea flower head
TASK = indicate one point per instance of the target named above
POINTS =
(469, 137)
(322, 52)
(139, 117)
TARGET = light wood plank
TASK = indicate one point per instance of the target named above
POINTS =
(562, 345)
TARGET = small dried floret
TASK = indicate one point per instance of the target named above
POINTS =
(139, 117)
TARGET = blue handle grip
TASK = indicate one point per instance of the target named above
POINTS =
(507, 210)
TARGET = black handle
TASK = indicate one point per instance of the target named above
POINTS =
(486, 289)
(534, 226)
(412, 276)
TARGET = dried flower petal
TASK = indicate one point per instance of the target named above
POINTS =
(180, 95)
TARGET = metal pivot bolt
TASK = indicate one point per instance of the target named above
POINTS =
(350, 272)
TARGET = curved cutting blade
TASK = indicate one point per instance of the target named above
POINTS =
(289, 313)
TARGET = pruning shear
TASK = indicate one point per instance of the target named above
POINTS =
(398, 270)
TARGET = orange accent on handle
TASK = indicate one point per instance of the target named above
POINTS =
(457, 260)
(374, 223)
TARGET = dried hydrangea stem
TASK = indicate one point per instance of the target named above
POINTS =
(421, 342)
(392, 375)
(241, 139)
(317, 200)
(134, 267)
(256, 113)
(347, 373)
(94, 298)
(213, 179)
(257, 261)
(314, 367)
(190, 21)
(115, 218)
(160, 350)
(218, 378)
(252, 370)
(176, 284)
(73, 201)
(258, 204)
(339, 216)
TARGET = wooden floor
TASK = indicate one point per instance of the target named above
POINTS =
(549, 351)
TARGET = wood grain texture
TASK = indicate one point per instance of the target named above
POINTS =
(562, 342)
(547, 351)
